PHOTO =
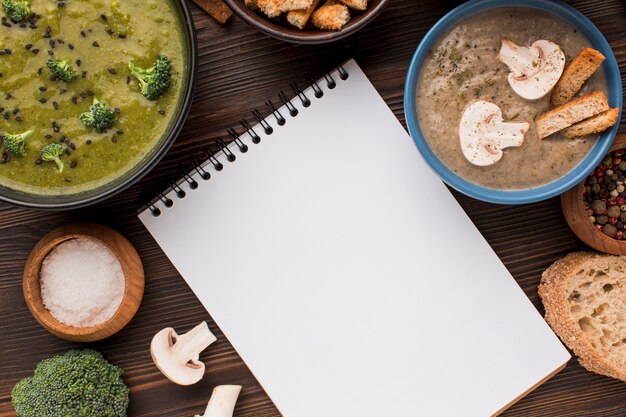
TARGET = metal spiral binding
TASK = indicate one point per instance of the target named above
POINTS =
(198, 166)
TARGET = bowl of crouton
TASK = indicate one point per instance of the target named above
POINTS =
(307, 21)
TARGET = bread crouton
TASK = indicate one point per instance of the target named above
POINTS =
(253, 4)
(331, 16)
(298, 18)
(355, 4)
(575, 111)
(289, 5)
(576, 73)
(596, 124)
(271, 8)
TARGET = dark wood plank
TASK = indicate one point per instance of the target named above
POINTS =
(239, 70)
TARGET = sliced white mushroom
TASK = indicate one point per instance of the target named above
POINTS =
(177, 356)
(535, 69)
(484, 133)
(222, 401)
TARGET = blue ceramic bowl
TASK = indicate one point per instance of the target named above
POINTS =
(521, 196)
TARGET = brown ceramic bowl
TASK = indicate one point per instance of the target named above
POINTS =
(281, 30)
(577, 218)
(133, 274)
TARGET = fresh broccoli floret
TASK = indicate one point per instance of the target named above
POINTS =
(99, 116)
(16, 143)
(80, 383)
(52, 153)
(61, 70)
(156, 80)
(18, 11)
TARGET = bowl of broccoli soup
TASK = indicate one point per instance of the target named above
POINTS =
(92, 95)
(513, 101)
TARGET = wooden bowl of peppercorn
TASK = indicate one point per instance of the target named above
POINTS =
(595, 209)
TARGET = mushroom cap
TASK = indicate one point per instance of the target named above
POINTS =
(535, 70)
(176, 368)
(484, 134)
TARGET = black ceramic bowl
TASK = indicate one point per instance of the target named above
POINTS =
(88, 197)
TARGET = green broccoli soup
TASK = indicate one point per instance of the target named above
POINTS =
(87, 89)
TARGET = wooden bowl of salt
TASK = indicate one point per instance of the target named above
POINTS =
(108, 286)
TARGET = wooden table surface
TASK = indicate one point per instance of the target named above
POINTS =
(239, 69)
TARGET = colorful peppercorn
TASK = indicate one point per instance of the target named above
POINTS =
(605, 195)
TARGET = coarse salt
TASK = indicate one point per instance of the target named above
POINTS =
(82, 282)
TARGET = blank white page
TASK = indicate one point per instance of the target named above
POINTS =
(347, 276)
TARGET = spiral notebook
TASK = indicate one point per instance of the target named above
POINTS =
(344, 272)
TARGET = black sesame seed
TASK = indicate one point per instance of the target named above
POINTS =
(35, 51)
(84, 74)
(114, 139)
(69, 45)
(78, 62)
(42, 88)
(95, 44)
(88, 141)
(110, 31)
(16, 111)
(43, 100)
(6, 115)
(83, 95)
(50, 52)
(67, 179)
(83, 34)
(53, 43)
(89, 93)
(39, 71)
(68, 152)
(48, 136)
(18, 119)
(128, 80)
(73, 164)
(48, 32)
(162, 112)
(120, 132)
(28, 46)
(38, 161)
(63, 91)
(112, 71)
(103, 17)
(62, 139)
(74, 100)
(55, 105)
(117, 110)
(61, 4)
(73, 146)
(121, 36)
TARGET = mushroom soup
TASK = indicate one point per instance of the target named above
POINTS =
(463, 69)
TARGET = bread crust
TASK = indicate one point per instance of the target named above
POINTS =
(596, 124)
(554, 295)
(575, 111)
(583, 66)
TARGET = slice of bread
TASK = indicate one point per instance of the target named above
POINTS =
(573, 112)
(331, 16)
(584, 295)
(299, 18)
(596, 124)
(355, 4)
(576, 73)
